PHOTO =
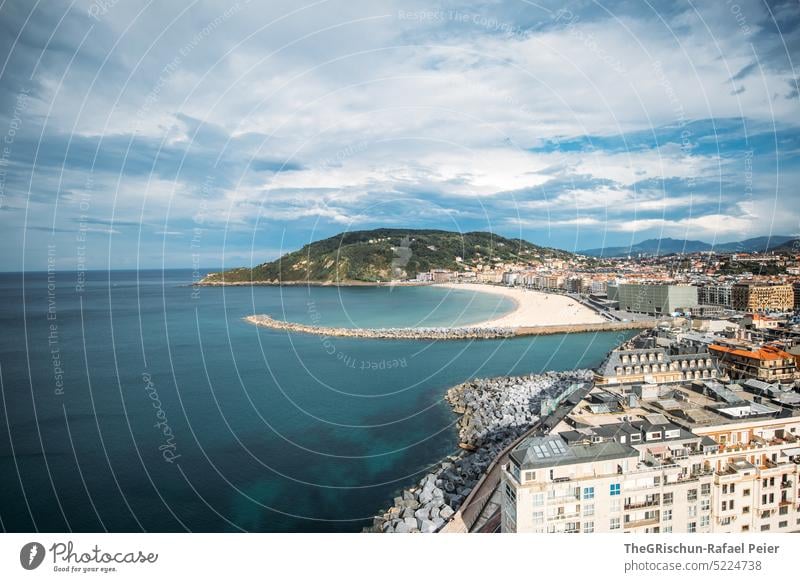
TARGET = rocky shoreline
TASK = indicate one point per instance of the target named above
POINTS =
(433, 333)
(495, 412)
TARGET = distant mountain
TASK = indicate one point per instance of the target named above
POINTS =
(668, 246)
(385, 254)
(790, 246)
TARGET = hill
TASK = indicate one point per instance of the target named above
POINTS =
(385, 254)
(791, 246)
(668, 246)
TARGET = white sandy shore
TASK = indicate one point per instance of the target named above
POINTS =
(534, 308)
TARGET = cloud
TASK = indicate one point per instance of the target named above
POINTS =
(270, 121)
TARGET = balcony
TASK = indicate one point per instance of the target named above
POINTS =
(643, 504)
(642, 522)
(563, 516)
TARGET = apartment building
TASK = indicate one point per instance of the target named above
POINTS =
(654, 366)
(699, 458)
(753, 297)
(716, 295)
(767, 363)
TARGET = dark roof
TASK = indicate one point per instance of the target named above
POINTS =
(549, 451)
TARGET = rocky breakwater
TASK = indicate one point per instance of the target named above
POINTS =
(494, 413)
(432, 333)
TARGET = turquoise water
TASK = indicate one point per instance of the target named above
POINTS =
(140, 404)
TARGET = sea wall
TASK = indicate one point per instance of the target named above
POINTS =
(494, 413)
(434, 333)
(443, 333)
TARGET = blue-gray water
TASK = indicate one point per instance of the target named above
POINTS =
(266, 431)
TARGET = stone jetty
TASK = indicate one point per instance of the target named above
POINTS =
(445, 333)
(432, 333)
(494, 412)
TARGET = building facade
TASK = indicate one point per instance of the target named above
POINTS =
(653, 475)
(716, 295)
(751, 297)
(766, 363)
(655, 299)
(654, 366)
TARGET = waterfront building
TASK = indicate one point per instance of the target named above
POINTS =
(752, 297)
(766, 363)
(655, 299)
(680, 459)
(654, 366)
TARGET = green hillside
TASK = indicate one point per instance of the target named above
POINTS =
(385, 254)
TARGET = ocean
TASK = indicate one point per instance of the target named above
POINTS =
(132, 401)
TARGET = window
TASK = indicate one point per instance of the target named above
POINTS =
(691, 511)
(530, 475)
(667, 499)
(783, 523)
(588, 492)
(724, 489)
(588, 527)
(724, 505)
(538, 499)
(588, 510)
(668, 529)
(765, 527)
(733, 488)
(691, 527)
(745, 528)
(538, 517)
(705, 489)
(746, 492)
(705, 504)
(510, 493)
(784, 510)
(691, 495)
(666, 515)
(704, 520)
(614, 489)
(614, 523)
(746, 509)
(616, 504)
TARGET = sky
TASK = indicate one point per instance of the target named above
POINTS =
(216, 134)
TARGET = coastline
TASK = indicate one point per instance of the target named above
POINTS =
(533, 308)
(494, 414)
(204, 283)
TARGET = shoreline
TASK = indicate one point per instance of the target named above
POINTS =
(532, 308)
(204, 283)
(494, 413)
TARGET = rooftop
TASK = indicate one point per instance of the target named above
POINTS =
(550, 451)
(763, 353)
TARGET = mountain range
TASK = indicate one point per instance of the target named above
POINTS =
(668, 246)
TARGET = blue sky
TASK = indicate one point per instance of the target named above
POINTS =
(140, 134)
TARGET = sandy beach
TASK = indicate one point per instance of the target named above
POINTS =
(534, 308)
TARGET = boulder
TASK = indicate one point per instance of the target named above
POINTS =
(426, 526)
